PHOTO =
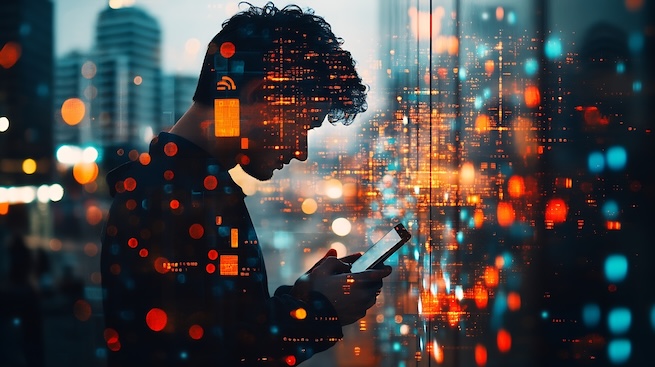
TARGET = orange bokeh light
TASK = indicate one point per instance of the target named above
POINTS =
(85, 172)
(156, 319)
(480, 355)
(634, 5)
(478, 218)
(506, 214)
(196, 231)
(210, 182)
(170, 149)
(504, 341)
(513, 301)
(161, 265)
(144, 158)
(72, 111)
(82, 310)
(227, 49)
(93, 215)
(489, 67)
(516, 186)
(9, 54)
(196, 332)
(4, 208)
(556, 210)
(532, 96)
(491, 276)
(481, 296)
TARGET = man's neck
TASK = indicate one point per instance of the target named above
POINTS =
(195, 126)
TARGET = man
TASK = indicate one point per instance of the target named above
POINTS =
(182, 270)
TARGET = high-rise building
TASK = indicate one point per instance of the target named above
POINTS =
(26, 54)
(127, 109)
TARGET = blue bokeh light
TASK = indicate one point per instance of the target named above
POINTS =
(486, 93)
(596, 162)
(478, 102)
(636, 42)
(619, 350)
(616, 268)
(652, 317)
(610, 210)
(511, 18)
(531, 67)
(617, 158)
(620, 68)
(482, 51)
(619, 320)
(553, 47)
(591, 315)
(636, 86)
(462, 73)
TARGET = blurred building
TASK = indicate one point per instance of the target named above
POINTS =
(26, 54)
(177, 96)
(127, 108)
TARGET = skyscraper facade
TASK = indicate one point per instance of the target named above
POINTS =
(127, 108)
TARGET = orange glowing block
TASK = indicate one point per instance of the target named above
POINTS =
(556, 210)
(491, 276)
(229, 265)
(482, 123)
(234, 237)
(516, 186)
(505, 214)
(478, 218)
(226, 117)
(532, 96)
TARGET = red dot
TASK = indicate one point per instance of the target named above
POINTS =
(291, 360)
(133, 242)
(196, 332)
(168, 175)
(211, 268)
(174, 204)
(227, 49)
(143, 252)
(160, 265)
(156, 319)
(170, 149)
(111, 335)
(210, 182)
(212, 254)
(130, 184)
(196, 231)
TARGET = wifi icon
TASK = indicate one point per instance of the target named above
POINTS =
(226, 83)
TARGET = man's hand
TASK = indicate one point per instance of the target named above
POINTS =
(351, 294)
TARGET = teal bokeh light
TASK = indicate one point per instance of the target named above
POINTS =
(636, 42)
(462, 73)
(591, 315)
(610, 210)
(511, 18)
(531, 67)
(553, 47)
(617, 158)
(620, 67)
(619, 350)
(596, 162)
(616, 268)
(652, 317)
(619, 320)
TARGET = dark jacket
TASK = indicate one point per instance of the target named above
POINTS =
(183, 275)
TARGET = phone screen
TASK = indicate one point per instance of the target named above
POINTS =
(382, 249)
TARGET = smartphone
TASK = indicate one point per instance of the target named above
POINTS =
(382, 249)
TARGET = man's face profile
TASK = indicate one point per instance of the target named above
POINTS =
(276, 135)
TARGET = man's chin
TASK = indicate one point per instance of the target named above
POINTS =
(259, 175)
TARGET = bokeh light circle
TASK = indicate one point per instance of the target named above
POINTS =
(341, 226)
(72, 111)
(610, 210)
(619, 320)
(309, 206)
(616, 268)
(596, 162)
(617, 158)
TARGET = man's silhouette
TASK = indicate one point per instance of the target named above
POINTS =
(183, 272)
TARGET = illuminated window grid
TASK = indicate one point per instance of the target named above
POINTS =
(226, 117)
(229, 265)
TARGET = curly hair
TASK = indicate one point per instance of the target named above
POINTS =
(293, 52)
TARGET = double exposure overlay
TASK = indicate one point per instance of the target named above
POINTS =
(513, 139)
